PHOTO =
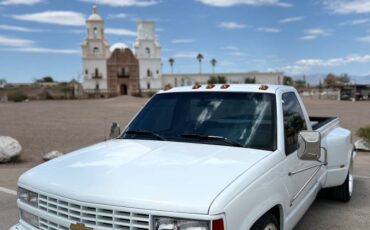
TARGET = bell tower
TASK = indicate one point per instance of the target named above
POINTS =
(148, 52)
(95, 53)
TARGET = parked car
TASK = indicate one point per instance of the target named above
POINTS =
(220, 157)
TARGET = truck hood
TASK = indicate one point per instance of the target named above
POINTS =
(154, 175)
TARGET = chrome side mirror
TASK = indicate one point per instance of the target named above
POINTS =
(309, 145)
(115, 130)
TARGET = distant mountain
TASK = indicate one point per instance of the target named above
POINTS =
(314, 79)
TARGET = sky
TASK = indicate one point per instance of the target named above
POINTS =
(43, 37)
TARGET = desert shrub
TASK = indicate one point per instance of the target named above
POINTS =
(17, 97)
(364, 132)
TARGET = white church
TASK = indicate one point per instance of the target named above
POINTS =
(118, 70)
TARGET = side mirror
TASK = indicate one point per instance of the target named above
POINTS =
(309, 145)
(115, 130)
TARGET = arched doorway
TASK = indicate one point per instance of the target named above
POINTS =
(123, 89)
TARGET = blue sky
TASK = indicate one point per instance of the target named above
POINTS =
(43, 37)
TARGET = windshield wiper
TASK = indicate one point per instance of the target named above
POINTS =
(147, 133)
(209, 137)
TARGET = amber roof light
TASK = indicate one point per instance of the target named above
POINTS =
(264, 87)
(197, 85)
(225, 86)
(210, 86)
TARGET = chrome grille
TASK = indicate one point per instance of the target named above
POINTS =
(92, 216)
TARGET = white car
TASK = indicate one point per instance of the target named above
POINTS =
(220, 157)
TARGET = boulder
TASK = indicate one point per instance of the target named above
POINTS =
(362, 145)
(9, 149)
(51, 155)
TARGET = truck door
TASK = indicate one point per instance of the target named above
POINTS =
(298, 173)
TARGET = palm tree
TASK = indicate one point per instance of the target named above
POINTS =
(200, 58)
(213, 63)
(171, 61)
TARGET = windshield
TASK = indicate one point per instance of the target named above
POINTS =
(234, 119)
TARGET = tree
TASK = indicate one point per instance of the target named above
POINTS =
(217, 80)
(46, 79)
(250, 80)
(344, 79)
(330, 80)
(213, 63)
(200, 58)
(287, 80)
(171, 61)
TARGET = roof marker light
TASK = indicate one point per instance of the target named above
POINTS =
(225, 86)
(197, 85)
(167, 87)
(264, 87)
(210, 86)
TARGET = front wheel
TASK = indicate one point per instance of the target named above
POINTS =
(266, 222)
(344, 192)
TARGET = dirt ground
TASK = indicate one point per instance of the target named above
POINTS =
(43, 126)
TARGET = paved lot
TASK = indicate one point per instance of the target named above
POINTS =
(67, 125)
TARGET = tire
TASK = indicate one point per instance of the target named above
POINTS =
(266, 222)
(343, 192)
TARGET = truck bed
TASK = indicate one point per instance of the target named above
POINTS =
(318, 122)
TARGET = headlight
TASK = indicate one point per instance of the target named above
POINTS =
(28, 197)
(162, 223)
(30, 218)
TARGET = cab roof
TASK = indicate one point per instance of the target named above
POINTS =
(229, 88)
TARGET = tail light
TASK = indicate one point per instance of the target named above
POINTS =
(218, 224)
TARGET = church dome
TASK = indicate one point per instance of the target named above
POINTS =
(119, 46)
(95, 16)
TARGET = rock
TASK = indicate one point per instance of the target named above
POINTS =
(9, 149)
(362, 145)
(51, 155)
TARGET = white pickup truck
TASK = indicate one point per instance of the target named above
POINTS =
(206, 157)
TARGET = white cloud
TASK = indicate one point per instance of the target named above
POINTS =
(228, 3)
(18, 28)
(68, 18)
(122, 3)
(182, 41)
(24, 45)
(230, 48)
(118, 16)
(313, 33)
(291, 19)
(231, 25)
(303, 65)
(363, 39)
(237, 53)
(20, 2)
(269, 30)
(185, 55)
(46, 50)
(120, 32)
(348, 7)
(355, 22)
(15, 42)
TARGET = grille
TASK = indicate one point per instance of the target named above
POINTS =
(91, 216)
(48, 225)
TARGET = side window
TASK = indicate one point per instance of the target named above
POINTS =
(294, 121)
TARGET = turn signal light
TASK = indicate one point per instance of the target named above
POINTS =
(225, 86)
(197, 85)
(218, 224)
(264, 87)
(210, 86)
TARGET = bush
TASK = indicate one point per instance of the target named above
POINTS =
(137, 94)
(150, 94)
(364, 133)
(17, 97)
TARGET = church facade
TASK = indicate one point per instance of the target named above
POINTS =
(118, 70)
